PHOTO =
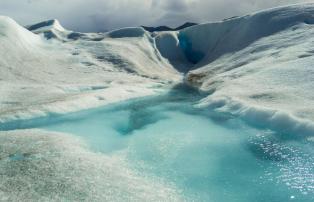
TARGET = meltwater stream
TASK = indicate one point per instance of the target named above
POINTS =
(207, 156)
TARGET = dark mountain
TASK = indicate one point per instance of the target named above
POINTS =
(185, 25)
(165, 28)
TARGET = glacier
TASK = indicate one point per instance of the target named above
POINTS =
(257, 69)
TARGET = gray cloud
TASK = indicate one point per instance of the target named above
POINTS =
(100, 15)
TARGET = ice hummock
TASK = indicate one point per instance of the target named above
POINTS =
(258, 67)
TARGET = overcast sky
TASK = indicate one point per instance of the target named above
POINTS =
(100, 15)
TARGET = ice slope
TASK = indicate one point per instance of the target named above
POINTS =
(259, 67)
(207, 42)
(124, 48)
(40, 76)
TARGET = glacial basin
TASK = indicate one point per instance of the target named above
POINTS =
(206, 155)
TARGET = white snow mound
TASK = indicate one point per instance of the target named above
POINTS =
(11, 32)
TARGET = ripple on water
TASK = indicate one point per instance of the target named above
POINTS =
(292, 162)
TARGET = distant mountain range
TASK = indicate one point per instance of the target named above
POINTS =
(166, 28)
